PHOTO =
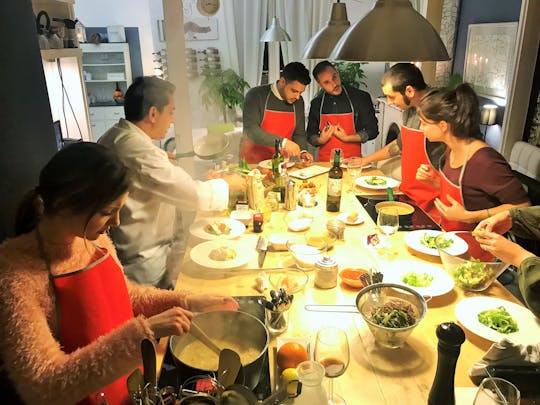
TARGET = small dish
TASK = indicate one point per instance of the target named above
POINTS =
(351, 218)
(279, 240)
(350, 277)
(291, 279)
(376, 182)
(243, 216)
(300, 224)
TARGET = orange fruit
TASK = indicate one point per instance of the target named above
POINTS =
(290, 355)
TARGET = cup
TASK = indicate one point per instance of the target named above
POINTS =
(277, 322)
(496, 391)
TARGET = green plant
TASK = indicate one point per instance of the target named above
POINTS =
(223, 88)
(351, 73)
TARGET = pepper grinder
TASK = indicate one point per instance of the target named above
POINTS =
(451, 337)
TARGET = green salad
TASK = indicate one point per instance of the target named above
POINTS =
(471, 274)
(429, 242)
(376, 181)
(394, 314)
(498, 319)
(417, 279)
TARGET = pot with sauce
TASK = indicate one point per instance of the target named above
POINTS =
(235, 330)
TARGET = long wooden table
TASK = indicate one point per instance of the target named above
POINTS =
(375, 375)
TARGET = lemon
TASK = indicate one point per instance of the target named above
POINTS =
(288, 375)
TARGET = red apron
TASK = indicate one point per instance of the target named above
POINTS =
(91, 303)
(414, 154)
(447, 188)
(346, 120)
(280, 123)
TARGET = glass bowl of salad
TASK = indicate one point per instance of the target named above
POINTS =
(473, 270)
(391, 312)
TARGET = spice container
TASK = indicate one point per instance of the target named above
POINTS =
(326, 271)
(290, 195)
(257, 222)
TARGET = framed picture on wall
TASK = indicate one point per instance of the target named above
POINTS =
(489, 58)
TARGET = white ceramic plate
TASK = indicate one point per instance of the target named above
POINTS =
(343, 217)
(244, 253)
(267, 164)
(467, 311)
(390, 182)
(197, 228)
(299, 225)
(308, 172)
(440, 285)
(413, 240)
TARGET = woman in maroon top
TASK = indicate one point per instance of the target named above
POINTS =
(475, 180)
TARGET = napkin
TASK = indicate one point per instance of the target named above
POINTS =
(505, 353)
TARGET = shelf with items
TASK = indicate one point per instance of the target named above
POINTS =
(53, 54)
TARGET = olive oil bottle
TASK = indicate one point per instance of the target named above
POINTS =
(335, 178)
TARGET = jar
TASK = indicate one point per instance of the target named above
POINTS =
(257, 222)
(326, 271)
(311, 373)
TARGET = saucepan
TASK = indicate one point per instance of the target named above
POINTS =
(235, 330)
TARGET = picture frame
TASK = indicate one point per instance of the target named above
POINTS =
(489, 58)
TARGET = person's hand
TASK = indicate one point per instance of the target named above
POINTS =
(174, 321)
(291, 149)
(235, 181)
(340, 133)
(499, 223)
(306, 157)
(499, 246)
(453, 212)
(425, 173)
(326, 133)
(211, 302)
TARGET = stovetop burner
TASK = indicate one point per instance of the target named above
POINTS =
(253, 305)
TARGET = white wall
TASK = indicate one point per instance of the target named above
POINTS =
(129, 13)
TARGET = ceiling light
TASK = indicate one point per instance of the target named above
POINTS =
(393, 31)
(320, 46)
(275, 33)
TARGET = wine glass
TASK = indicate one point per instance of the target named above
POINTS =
(354, 167)
(332, 351)
(388, 220)
(496, 391)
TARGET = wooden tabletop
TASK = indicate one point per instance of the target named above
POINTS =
(375, 375)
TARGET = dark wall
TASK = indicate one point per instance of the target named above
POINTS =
(479, 12)
(27, 138)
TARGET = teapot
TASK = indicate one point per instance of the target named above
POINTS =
(43, 30)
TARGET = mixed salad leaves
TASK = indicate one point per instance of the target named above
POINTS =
(217, 228)
(472, 274)
(498, 319)
(417, 279)
(375, 181)
(429, 241)
(394, 314)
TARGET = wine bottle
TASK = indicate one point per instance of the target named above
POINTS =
(451, 337)
(335, 177)
(277, 160)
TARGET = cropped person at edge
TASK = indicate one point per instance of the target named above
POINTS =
(148, 245)
(71, 325)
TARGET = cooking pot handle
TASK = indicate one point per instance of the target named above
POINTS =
(47, 25)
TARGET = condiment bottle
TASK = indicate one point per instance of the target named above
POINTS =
(257, 222)
(326, 271)
(311, 373)
(451, 337)
(335, 177)
(290, 195)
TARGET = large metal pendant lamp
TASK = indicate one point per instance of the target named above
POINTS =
(393, 31)
(320, 46)
(275, 33)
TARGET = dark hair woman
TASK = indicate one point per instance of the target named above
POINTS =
(70, 323)
(475, 180)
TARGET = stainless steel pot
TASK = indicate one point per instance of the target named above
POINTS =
(239, 328)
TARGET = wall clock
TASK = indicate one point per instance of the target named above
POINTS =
(208, 7)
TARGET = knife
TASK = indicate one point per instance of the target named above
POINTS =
(262, 247)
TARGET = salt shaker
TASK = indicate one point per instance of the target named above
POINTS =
(290, 195)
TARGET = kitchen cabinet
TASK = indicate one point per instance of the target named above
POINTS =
(104, 67)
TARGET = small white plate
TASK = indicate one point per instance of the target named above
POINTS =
(467, 311)
(267, 164)
(299, 225)
(343, 217)
(389, 182)
(413, 240)
(244, 253)
(308, 172)
(441, 284)
(198, 228)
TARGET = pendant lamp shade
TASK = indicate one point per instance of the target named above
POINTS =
(393, 31)
(275, 33)
(320, 46)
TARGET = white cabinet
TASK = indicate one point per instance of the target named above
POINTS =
(105, 66)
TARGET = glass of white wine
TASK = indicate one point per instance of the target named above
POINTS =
(332, 351)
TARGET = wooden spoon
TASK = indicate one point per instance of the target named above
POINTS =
(196, 331)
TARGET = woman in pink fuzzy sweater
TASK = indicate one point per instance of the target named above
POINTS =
(70, 323)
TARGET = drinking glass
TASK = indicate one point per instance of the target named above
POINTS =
(354, 167)
(388, 220)
(496, 391)
(332, 351)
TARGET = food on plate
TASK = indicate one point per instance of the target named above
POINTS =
(222, 254)
(352, 217)
(375, 181)
(373, 240)
(310, 186)
(291, 354)
(217, 228)
(417, 279)
(394, 314)
(471, 274)
(498, 319)
(429, 241)
(289, 377)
